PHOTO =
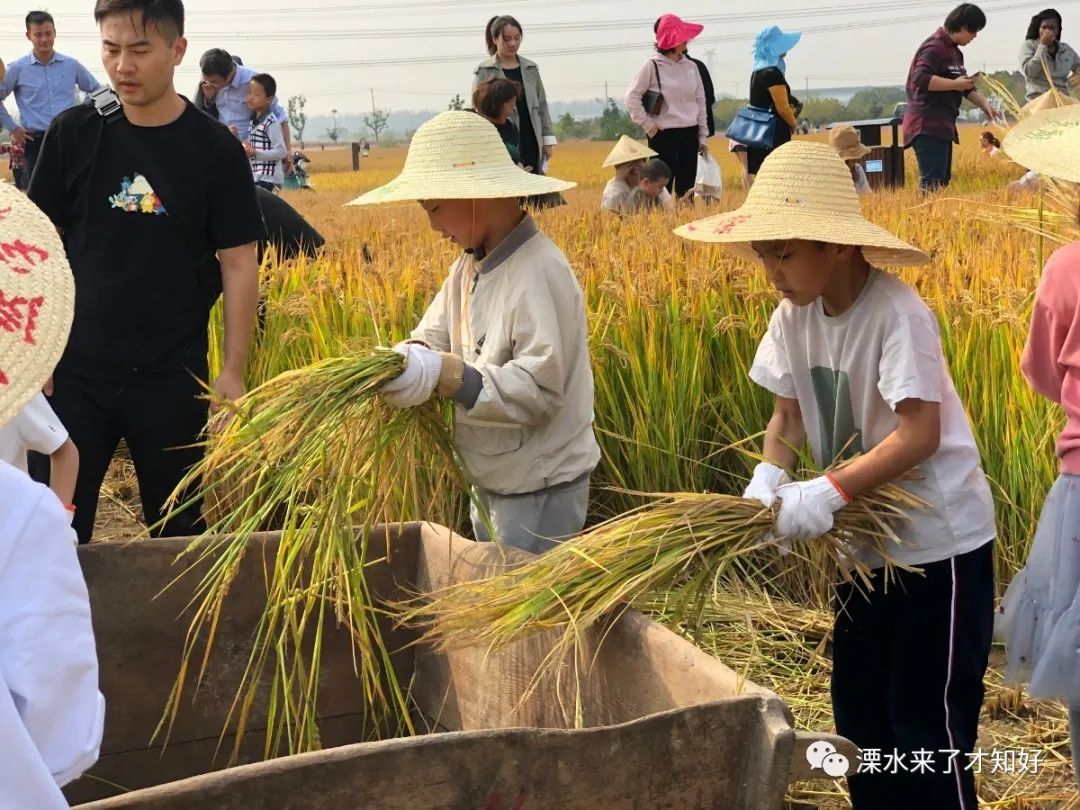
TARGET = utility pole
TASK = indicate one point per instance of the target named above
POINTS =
(606, 96)
(373, 100)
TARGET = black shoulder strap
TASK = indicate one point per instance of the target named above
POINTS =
(656, 69)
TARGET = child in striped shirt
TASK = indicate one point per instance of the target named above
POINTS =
(266, 148)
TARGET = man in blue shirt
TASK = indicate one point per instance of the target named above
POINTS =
(43, 83)
(230, 81)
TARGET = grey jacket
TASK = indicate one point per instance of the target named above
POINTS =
(535, 96)
(1032, 56)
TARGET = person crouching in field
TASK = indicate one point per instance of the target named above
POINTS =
(651, 188)
(505, 338)
(854, 359)
(1041, 608)
(627, 158)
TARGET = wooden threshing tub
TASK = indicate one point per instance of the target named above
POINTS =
(666, 726)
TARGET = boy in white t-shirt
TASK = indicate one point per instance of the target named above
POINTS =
(854, 358)
(37, 428)
(52, 714)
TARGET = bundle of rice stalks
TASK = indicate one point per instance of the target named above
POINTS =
(684, 542)
(314, 453)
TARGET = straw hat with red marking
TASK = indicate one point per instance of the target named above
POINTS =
(37, 300)
(803, 191)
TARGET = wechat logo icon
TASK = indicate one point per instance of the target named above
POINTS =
(822, 756)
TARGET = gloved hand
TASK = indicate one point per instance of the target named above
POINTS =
(807, 507)
(417, 382)
(767, 478)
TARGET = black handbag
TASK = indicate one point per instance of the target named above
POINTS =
(653, 100)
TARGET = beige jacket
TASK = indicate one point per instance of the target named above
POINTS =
(535, 96)
(518, 318)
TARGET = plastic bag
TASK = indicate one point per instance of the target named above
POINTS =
(708, 185)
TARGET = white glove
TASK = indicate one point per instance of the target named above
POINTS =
(417, 382)
(807, 507)
(767, 477)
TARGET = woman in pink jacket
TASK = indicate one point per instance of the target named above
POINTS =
(678, 128)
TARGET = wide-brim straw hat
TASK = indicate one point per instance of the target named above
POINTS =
(627, 150)
(1050, 100)
(460, 156)
(1047, 143)
(845, 140)
(37, 300)
(803, 191)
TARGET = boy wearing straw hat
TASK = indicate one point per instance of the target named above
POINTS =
(846, 142)
(627, 157)
(51, 712)
(854, 359)
(505, 338)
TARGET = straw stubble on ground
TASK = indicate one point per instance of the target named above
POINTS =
(673, 328)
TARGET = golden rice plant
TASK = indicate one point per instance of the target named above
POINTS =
(316, 454)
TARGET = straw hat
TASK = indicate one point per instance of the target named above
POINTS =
(1050, 100)
(37, 300)
(627, 150)
(1047, 143)
(846, 142)
(803, 191)
(460, 156)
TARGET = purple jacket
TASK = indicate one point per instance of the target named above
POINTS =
(933, 112)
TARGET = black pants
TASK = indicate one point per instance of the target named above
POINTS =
(159, 416)
(678, 148)
(907, 677)
(934, 156)
(33, 149)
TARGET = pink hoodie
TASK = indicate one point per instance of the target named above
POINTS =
(1051, 360)
(684, 96)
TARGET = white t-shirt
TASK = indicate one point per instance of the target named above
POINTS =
(35, 428)
(617, 194)
(51, 713)
(850, 372)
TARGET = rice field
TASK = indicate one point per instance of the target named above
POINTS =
(674, 326)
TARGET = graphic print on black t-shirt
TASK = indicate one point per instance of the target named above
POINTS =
(137, 197)
(140, 206)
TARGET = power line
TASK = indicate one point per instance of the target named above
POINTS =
(608, 48)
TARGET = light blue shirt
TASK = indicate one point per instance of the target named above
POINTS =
(43, 91)
(232, 107)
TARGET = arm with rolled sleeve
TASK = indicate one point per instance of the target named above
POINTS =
(926, 66)
(1053, 342)
(84, 79)
(546, 129)
(529, 388)
(641, 83)
(7, 87)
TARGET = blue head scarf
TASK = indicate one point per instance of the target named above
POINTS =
(770, 44)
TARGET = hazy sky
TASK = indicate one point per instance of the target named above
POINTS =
(418, 53)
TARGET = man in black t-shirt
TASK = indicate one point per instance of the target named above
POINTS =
(145, 199)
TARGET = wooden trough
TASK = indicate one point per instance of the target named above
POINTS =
(664, 724)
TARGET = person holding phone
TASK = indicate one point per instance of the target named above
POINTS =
(1044, 53)
(937, 85)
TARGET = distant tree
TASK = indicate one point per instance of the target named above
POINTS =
(334, 133)
(456, 103)
(616, 122)
(819, 111)
(378, 121)
(724, 110)
(297, 117)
